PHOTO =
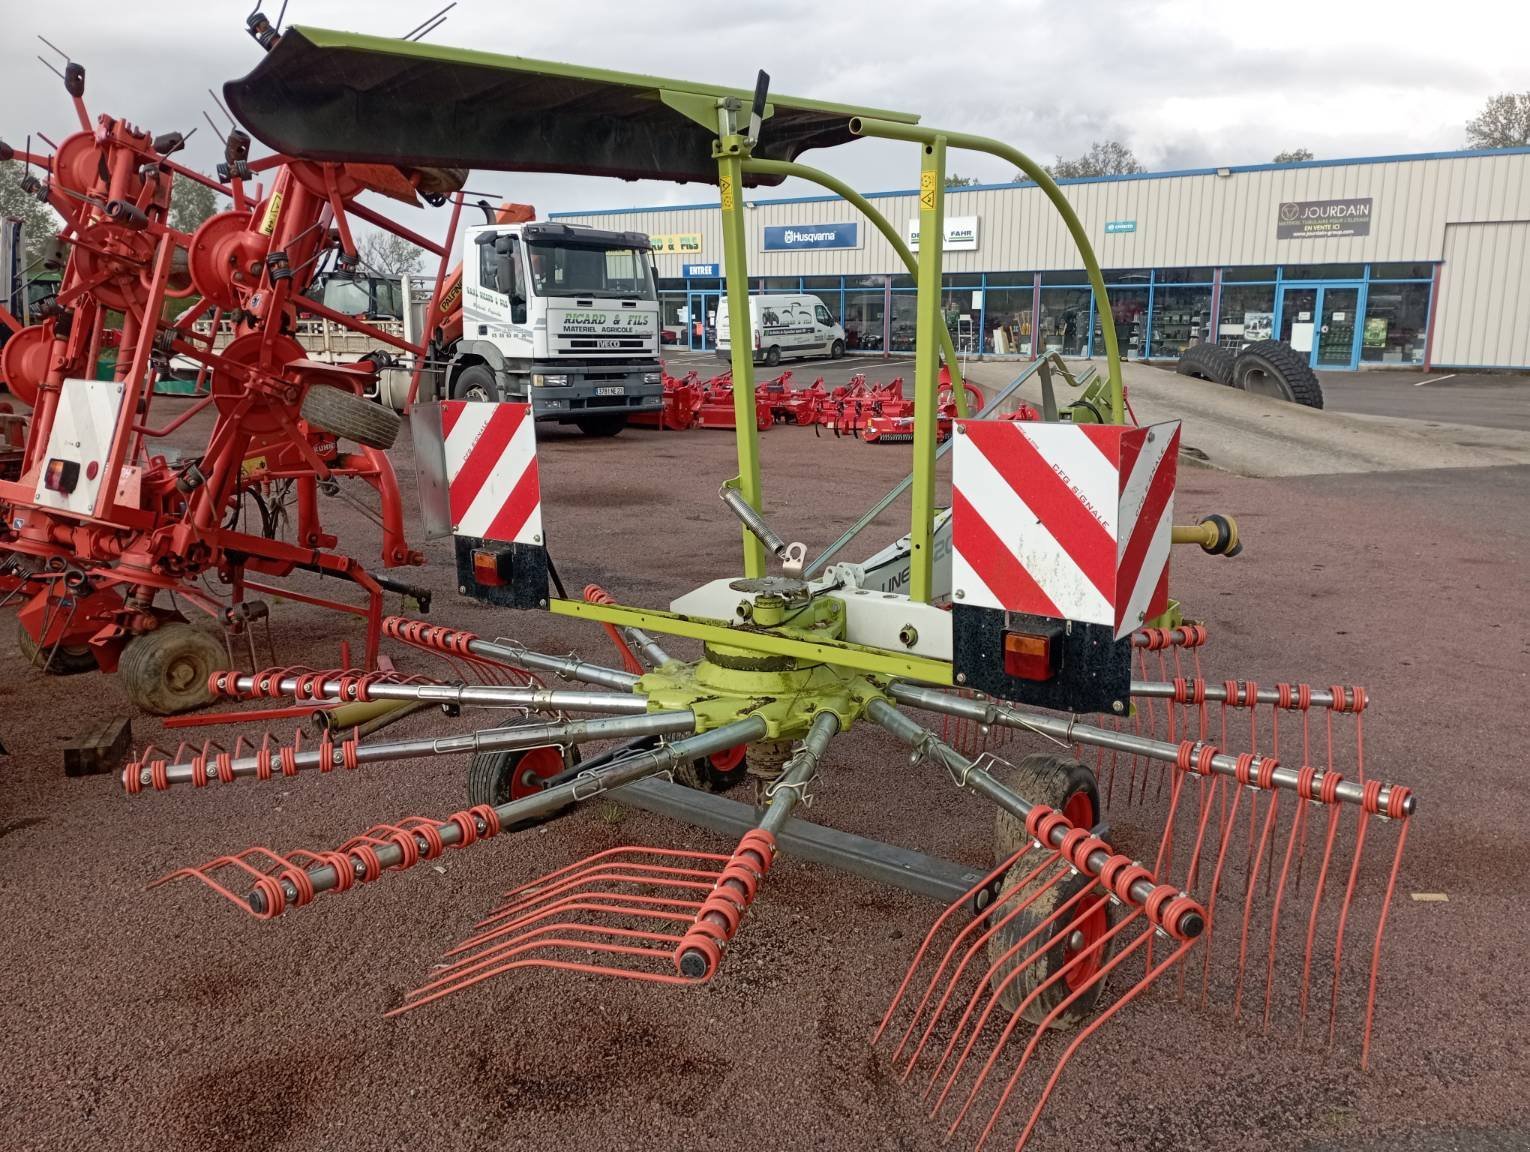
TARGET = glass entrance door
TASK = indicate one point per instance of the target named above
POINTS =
(1337, 328)
(702, 321)
(1298, 318)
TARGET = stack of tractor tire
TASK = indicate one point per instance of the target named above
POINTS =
(1266, 368)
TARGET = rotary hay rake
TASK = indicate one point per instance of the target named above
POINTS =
(1051, 619)
(106, 522)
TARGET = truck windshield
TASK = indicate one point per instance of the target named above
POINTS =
(587, 270)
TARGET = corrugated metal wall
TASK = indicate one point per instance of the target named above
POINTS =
(1484, 310)
(1182, 221)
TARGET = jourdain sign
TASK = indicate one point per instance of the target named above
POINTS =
(792, 237)
(1314, 219)
(961, 234)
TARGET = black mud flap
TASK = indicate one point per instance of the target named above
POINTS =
(505, 575)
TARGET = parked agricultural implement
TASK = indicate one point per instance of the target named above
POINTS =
(106, 529)
(1037, 607)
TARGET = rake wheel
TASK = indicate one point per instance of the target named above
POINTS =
(65, 660)
(1059, 782)
(351, 417)
(1059, 955)
(165, 671)
(716, 773)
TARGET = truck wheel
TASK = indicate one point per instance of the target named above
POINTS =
(1207, 362)
(772, 356)
(476, 382)
(1275, 369)
(602, 426)
(165, 671)
(347, 415)
(836, 350)
(66, 659)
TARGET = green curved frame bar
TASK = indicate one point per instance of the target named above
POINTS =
(889, 130)
(904, 253)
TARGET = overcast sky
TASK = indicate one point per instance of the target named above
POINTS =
(1182, 82)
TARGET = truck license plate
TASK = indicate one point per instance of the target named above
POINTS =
(611, 390)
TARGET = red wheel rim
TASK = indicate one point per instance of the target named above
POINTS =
(729, 760)
(1090, 932)
(1079, 810)
(535, 766)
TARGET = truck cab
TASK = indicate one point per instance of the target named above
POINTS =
(564, 316)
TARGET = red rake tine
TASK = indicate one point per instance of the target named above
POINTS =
(568, 904)
(1271, 812)
(532, 887)
(1381, 927)
(604, 873)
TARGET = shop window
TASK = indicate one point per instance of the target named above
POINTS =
(963, 280)
(1251, 272)
(1396, 324)
(1051, 278)
(674, 315)
(862, 319)
(672, 285)
(1009, 279)
(1181, 316)
(710, 284)
(1401, 271)
(1323, 271)
(781, 283)
(1008, 313)
(1247, 313)
(903, 281)
(1065, 321)
(1127, 275)
(1129, 307)
(810, 283)
(962, 318)
(904, 323)
(1182, 276)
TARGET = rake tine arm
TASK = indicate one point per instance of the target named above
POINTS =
(1191, 755)
(325, 755)
(455, 642)
(356, 689)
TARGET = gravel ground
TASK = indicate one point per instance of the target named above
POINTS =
(166, 1019)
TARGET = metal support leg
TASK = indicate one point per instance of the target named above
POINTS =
(932, 179)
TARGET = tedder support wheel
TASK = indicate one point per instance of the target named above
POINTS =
(475, 382)
(165, 671)
(1275, 369)
(1086, 921)
(1207, 362)
(1059, 782)
(716, 773)
(496, 778)
(65, 660)
(602, 425)
(345, 414)
(773, 356)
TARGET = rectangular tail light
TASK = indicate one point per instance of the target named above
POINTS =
(1033, 655)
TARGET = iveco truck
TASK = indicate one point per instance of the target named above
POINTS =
(563, 315)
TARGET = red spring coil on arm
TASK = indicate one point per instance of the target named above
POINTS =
(595, 594)
(700, 949)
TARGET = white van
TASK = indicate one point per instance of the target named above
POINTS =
(785, 325)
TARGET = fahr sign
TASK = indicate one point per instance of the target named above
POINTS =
(1316, 219)
(961, 234)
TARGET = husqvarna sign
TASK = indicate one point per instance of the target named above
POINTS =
(792, 237)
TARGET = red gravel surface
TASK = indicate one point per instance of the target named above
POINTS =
(166, 1019)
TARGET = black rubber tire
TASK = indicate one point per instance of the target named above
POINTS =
(602, 427)
(837, 350)
(165, 671)
(1277, 370)
(490, 774)
(476, 382)
(1036, 973)
(772, 356)
(1042, 778)
(705, 776)
(351, 417)
(1207, 362)
(67, 659)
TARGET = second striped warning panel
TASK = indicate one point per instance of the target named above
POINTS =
(1063, 520)
(491, 471)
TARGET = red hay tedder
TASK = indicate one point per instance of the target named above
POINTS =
(106, 523)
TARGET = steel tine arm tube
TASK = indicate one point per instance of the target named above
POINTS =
(564, 666)
(465, 695)
(1067, 730)
(327, 755)
(971, 775)
(647, 647)
(1217, 693)
(626, 770)
(700, 950)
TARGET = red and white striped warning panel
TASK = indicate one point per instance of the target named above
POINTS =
(491, 471)
(1071, 521)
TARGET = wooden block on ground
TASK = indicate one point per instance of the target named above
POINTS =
(100, 750)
